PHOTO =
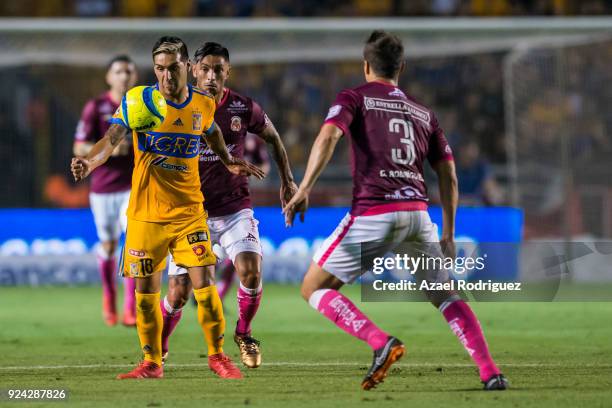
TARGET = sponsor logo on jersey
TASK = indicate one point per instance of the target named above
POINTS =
(448, 149)
(333, 112)
(161, 162)
(178, 122)
(397, 92)
(237, 107)
(395, 106)
(405, 193)
(199, 236)
(169, 144)
(199, 250)
(197, 121)
(207, 155)
(136, 252)
(236, 124)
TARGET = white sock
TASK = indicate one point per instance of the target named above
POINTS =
(169, 308)
(316, 297)
(252, 292)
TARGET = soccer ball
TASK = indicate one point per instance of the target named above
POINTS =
(143, 108)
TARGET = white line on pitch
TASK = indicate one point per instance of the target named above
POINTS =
(297, 364)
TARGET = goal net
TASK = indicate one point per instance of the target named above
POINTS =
(559, 136)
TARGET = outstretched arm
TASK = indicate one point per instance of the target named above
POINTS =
(321, 153)
(449, 197)
(82, 167)
(214, 140)
(275, 145)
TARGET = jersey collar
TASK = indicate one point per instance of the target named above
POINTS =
(226, 93)
(383, 83)
(182, 105)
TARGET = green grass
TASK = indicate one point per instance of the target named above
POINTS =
(555, 354)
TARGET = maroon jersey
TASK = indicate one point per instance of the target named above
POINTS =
(116, 174)
(391, 135)
(256, 150)
(224, 192)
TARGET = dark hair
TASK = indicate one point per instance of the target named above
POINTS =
(119, 58)
(385, 53)
(170, 44)
(211, 48)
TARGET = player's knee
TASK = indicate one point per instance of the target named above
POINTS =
(177, 300)
(306, 291)
(248, 268)
(107, 249)
(179, 291)
(437, 298)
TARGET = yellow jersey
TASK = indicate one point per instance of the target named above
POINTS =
(165, 180)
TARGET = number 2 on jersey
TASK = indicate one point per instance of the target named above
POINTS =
(397, 154)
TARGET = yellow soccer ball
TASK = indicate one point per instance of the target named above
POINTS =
(143, 108)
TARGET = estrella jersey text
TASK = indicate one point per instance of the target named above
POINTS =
(181, 145)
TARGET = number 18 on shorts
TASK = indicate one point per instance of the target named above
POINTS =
(147, 245)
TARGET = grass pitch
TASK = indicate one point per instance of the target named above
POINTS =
(555, 354)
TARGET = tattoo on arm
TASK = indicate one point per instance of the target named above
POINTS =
(116, 133)
(279, 154)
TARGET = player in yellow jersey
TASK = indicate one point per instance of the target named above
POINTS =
(165, 211)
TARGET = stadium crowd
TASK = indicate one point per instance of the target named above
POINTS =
(466, 91)
(305, 8)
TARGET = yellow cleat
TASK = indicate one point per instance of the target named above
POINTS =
(250, 354)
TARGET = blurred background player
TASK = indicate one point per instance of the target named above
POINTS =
(391, 137)
(110, 185)
(228, 203)
(477, 186)
(165, 212)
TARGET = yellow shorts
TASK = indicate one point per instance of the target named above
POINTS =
(147, 244)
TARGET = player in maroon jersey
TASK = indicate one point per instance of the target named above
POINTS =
(232, 225)
(256, 152)
(110, 184)
(391, 137)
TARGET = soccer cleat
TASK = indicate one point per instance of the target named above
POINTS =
(164, 357)
(391, 352)
(250, 354)
(496, 383)
(222, 365)
(146, 369)
(109, 314)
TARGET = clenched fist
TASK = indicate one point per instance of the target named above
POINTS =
(80, 168)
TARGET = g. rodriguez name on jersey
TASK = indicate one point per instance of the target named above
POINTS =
(479, 285)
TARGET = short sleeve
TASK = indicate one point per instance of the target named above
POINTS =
(86, 128)
(259, 120)
(439, 149)
(343, 110)
(209, 117)
(118, 117)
